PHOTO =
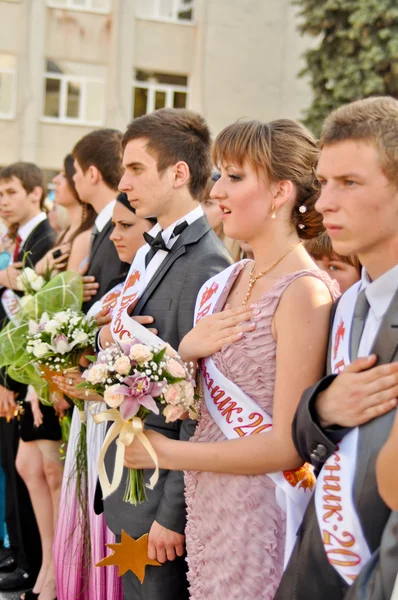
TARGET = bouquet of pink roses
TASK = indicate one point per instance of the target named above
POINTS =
(135, 380)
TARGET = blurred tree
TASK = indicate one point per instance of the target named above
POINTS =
(357, 53)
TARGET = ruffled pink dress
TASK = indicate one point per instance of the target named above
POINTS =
(235, 529)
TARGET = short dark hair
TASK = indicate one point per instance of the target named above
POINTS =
(175, 134)
(101, 149)
(28, 174)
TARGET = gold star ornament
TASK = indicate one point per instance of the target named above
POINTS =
(129, 555)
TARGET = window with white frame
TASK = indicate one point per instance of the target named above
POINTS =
(102, 6)
(166, 10)
(74, 93)
(158, 90)
(7, 86)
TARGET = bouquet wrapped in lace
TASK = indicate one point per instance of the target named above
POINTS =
(135, 380)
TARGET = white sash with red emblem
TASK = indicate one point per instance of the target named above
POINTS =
(237, 415)
(123, 327)
(110, 300)
(342, 536)
(11, 303)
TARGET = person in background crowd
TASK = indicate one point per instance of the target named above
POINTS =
(39, 460)
(213, 213)
(73, 580)
(346, 270)
(73, 243)
(270, 317)
(21, 201)
(98, 164)
(343, 421)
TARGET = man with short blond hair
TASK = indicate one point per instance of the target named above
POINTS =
(343, 421)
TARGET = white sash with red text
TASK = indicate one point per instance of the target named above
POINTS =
(237, 415)
(110, 300)
(122, 324)
(342, 536)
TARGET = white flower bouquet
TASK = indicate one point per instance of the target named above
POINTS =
(56, 345)
(58, 342)
(135, 380)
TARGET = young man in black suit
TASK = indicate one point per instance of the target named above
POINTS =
(21, 201)
(98, 164)
(167, 165)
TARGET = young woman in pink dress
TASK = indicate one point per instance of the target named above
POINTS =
(267, 334)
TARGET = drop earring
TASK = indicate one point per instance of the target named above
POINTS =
(273, 211)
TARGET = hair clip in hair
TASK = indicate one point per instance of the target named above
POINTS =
(303, 209)
(301, 225)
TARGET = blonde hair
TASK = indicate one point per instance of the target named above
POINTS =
(280, 150)
(372, 120)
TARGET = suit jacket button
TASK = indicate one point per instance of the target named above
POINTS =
(321, 451)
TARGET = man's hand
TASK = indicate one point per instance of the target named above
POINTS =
(164, 544)
(90, 287)
(7, 402)
(359, 394)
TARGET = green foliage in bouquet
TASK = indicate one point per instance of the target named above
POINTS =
(356, 54)
(65, 290)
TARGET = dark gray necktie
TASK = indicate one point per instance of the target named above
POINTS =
(360, 314)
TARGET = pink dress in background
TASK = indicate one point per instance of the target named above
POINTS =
(235, 529)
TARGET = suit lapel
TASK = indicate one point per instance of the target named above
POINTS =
(31, 240)
(190, 235)
(373, 434)
(386, 342)
(98, 239)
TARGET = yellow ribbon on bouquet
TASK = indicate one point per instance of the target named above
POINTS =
(126, 431)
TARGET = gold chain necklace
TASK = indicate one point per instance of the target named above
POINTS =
(253, 278)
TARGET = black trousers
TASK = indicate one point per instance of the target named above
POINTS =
(20, 519)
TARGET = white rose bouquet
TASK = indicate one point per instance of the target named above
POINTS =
(136, 380)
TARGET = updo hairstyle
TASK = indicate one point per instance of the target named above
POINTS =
(281, 150)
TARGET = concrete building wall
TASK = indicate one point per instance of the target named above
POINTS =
(241, 60)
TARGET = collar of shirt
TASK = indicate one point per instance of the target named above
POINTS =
(190, 218)
(25, 231)
(104, 216)
(380, 292)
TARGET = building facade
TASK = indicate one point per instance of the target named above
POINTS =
(68, 66)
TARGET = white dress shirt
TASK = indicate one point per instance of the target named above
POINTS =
(160, 255)
(104, 216)
(25, 230)
(379, 294)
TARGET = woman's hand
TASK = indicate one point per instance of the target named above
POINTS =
(136, 457)
(49, 263)
(103, 317)
(211, 333)
(33, 399)
(61, 406)
(67, 384)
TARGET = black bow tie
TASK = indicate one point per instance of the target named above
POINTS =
(158, 243)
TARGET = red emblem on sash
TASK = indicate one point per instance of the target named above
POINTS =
(338, 338)
(132, 280)
(208, 293)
